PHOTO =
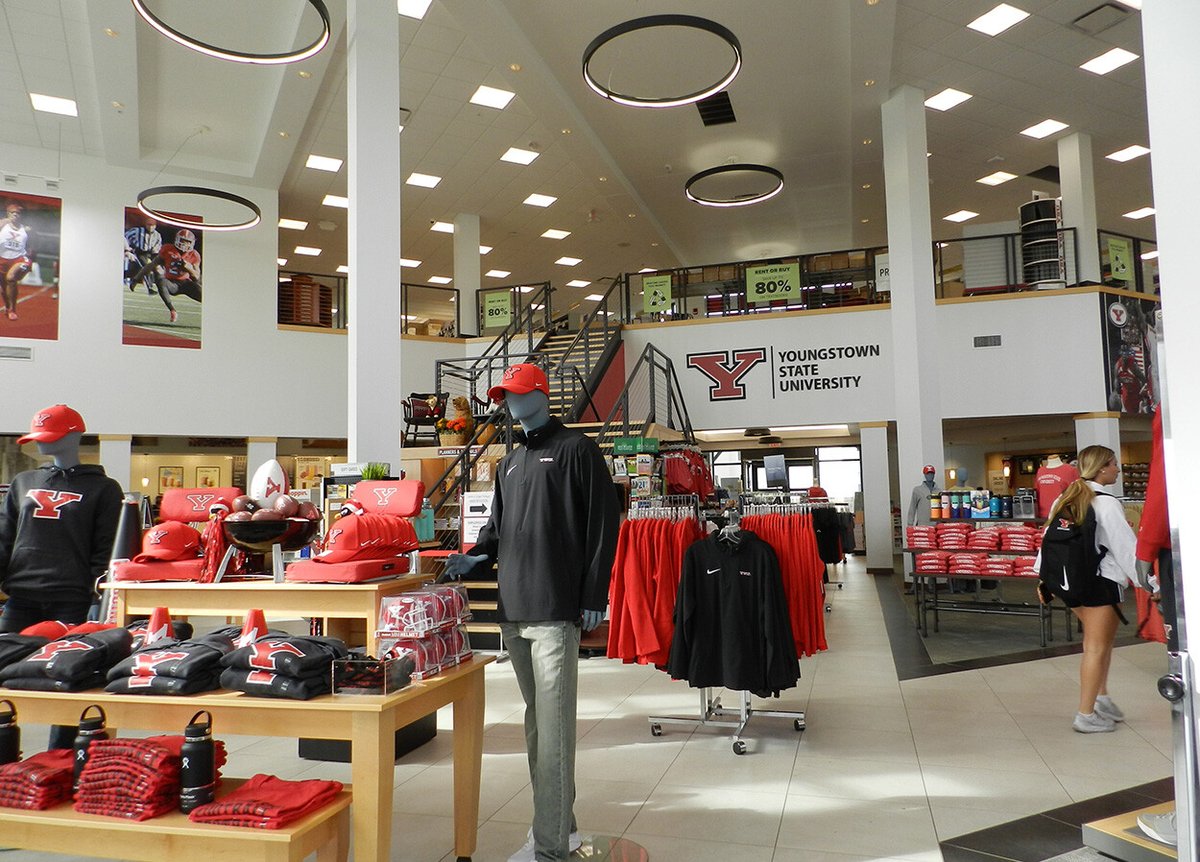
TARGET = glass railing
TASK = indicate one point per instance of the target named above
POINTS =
(320, 301)
(1128, 262)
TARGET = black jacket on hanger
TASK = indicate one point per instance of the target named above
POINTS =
(731, 621)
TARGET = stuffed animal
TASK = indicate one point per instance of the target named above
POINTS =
(462, 410)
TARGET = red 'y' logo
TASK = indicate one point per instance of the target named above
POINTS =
(273, 487)
(200, 501)
(50, 502)
(146, 664)
(382, 495)
(262, 655)
(260, 677)
(725, 371)
(50, 650)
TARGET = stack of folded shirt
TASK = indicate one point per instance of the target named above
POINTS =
(952, 536)
(1020, 539)
(173, 667)
(268, 802)
(298, 667)
(932, 562)
(14, 646)
(135, 778)
(74, 662)
(921, 537)
(1023, 567)
(984, 539)
(997, 567)
(40, 781)
(965, 564)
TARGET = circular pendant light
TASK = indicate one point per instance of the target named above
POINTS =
(736, 200)
(649, 22)
(217, 194)
(238, 56)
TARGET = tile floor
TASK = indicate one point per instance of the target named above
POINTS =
(887, 769)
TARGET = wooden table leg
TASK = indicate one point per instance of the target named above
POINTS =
(468, 763)
(372, 755)
(338, 849)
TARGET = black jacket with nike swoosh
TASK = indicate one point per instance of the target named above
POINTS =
(57, 529)
(553, 527)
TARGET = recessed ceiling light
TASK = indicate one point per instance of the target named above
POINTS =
(525, 289)
(867, 141)
(304, 73)
(1109, 60)
(1150, 255)
(537, 200)
(1132, 4)
(284, 135)
(514, 67)
(413, 8)
(336, 201)
(484, 249)
(555, 233)
(409, 263)
(863, 220)
(54, 105)
(997, 178)
(425, 181)
(282, 261)
(491, 97)
(593, 297)
(292, 224)
(118, 105)
(1140, 213)
(1128, 153)
(866, 185)
(343, 269)
(870, 82)
(518, 156)
(440, 279)
(999, 19)
(578, 282)
(631, 215)
(109, 31)
(647, 269)
(497, 273)
(961, 215)
(323, 163)
(308, 250)
(442, 227)
(947, 99)
(1044, 128)
(569, 261)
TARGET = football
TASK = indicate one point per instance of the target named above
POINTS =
(269, 482)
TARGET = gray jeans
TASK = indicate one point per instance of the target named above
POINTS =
(545, 659)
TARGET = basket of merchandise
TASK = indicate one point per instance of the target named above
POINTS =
(366, 675)
(415, 614)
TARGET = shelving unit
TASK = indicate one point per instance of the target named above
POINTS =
(1043, 254)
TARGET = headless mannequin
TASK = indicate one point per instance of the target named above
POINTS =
(1054, 461)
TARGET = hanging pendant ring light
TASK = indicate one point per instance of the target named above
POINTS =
(741, 201)
(238, 56)
(167, 218)
(693, 21)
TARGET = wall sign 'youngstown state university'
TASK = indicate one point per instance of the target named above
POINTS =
(792, 370)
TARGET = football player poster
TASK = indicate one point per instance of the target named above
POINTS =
(30, 236)
(161, 283)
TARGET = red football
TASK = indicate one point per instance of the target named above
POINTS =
(286, 505)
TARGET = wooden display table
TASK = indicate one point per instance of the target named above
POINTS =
(173, 836)
(342, 602)
(368, 721)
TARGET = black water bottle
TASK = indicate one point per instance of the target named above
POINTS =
(197, 763)
(10, 735)
(90, 729)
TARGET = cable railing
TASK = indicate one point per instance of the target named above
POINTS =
(651, 396)
(998, 263)
(1128, 262)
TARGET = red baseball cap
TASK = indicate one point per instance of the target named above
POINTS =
(170, 540)
(928, 468)
(521, 378)
(52, 424)
(367, 537)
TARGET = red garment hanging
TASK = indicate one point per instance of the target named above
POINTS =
(792, 538)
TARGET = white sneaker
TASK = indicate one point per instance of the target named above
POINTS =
(1093, 722)
(528, 851)
(1105, 707)
(1160, 827)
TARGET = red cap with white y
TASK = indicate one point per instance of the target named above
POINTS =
(170, 540)
(52, 424)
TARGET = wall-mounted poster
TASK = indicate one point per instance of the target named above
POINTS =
(1128, 332)
(308, 472)
(161, 306)
(208, 477)
(29, 248)
(169, 477)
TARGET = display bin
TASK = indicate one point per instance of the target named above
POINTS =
(357, 676)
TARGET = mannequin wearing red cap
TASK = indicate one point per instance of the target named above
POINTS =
(552, 532)
(918, 503)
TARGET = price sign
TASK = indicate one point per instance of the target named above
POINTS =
(775, 281)
(497, 309)
(883, 273)
(1120, 253)
(656, 293)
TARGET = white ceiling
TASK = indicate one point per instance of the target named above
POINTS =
(801, 102)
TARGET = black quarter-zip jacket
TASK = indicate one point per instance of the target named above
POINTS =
(553, 527)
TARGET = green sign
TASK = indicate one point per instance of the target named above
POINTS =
(774, 281)
(1120, 256)
(656, 293)
(497, 309)
(634, 445)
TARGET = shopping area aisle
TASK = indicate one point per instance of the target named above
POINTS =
(885, 770)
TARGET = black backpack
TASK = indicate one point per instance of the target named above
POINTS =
(1070, 561)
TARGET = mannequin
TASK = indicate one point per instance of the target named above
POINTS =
(1052, 479)
(552, 532)
(918, 503)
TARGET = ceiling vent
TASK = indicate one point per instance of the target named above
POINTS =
(1049, 174)
(716, 110)
(1100, 19)
(987, 340)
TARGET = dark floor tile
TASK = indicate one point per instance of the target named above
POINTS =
(1101, 807)
(950, 853)
(1162, 790)
(1030, 839)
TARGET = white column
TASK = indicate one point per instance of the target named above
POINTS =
(1100, 429)
(116, 457)
(467, 271)
(259, 450)
(910, 244)
(1077, 179)
(877, 496)
(373, 239)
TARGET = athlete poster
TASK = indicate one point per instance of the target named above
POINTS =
(161, 286)
(1129, 373)
(30, 238)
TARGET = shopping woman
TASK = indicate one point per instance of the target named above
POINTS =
(1097, 606)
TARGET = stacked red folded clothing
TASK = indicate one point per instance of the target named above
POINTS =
(1020, 539)
(932, 562)
(965, 564)
(268, 802)
(1023, 567)
(921, 537)
(134, 778)
(996, 567)
(984, 539)
(953, 536)
(40, 781)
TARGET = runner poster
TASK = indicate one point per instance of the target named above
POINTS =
(161, 286)
(30, 239)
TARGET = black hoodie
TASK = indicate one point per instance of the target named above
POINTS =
(57, 529)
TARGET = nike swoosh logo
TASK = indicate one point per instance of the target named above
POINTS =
(1065, 585)
(714, 571)
(510, 469)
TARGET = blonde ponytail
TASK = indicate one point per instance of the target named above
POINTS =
(1074, 502)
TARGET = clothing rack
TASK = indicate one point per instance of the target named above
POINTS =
(789, 503)
(673, 507)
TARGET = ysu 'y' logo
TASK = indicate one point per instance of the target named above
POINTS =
(726, 369)
(50, 503)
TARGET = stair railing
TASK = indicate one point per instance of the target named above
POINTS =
(651, 395)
